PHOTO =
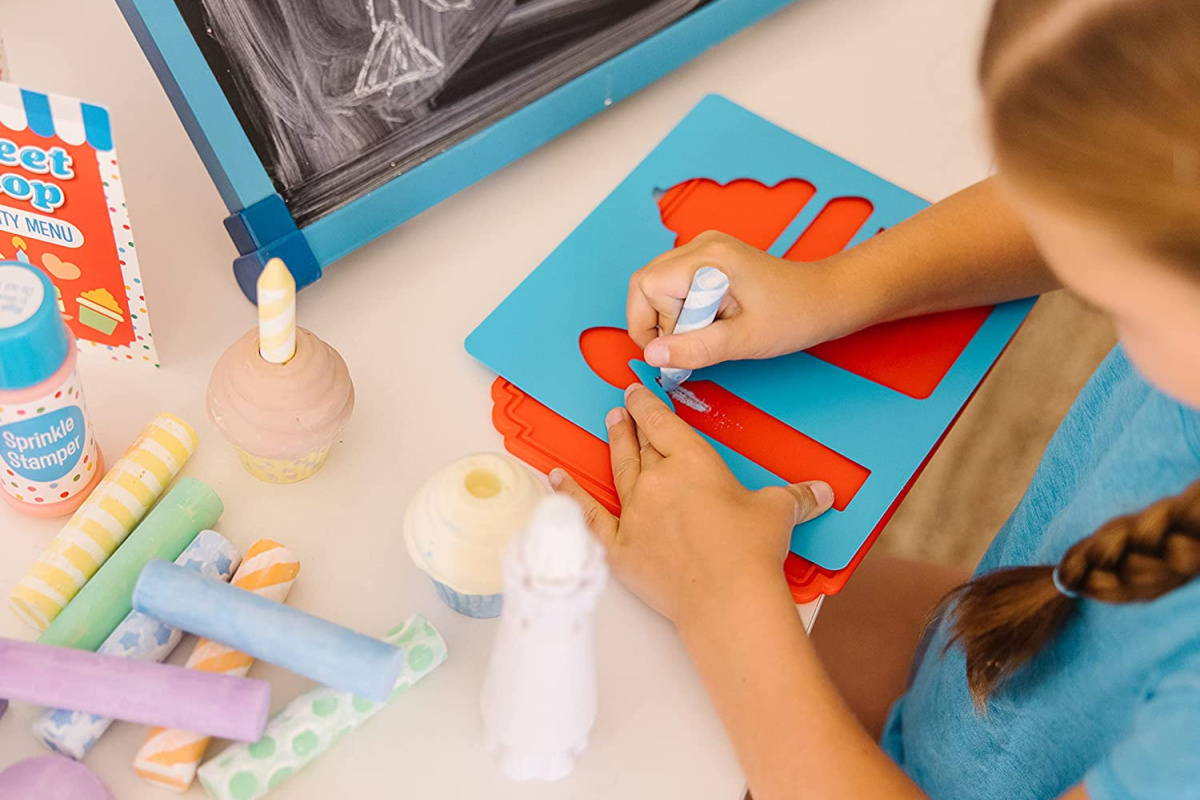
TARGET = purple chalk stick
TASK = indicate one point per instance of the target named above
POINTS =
(136, 691)
(51, 778)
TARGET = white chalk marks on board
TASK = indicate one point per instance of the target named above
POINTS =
(339, 96)
(320, 83)
(448, 5)
(396, 56)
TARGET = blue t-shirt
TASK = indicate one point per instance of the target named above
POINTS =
(1114, 700)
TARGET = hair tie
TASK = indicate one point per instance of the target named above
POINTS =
(1058, 584)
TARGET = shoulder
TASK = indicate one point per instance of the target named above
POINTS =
(1122, 446)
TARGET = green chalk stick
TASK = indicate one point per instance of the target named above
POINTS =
(165, 532)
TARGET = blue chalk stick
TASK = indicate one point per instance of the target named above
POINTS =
(276, 633)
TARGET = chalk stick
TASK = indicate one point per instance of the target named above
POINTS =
(73, 733)
(135, 691)
(708, 289)
(314, 722)
(51, 778)
(100, 606)
(275, 633)
(169, 758)
(105, 519)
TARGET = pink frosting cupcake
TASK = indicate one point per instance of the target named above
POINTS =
(281, 418)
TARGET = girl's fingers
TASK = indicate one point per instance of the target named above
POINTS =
(601, 523)
(644, 314)
(624, 450)
(656, 294)
(667, 433)
(801, 502)
(646, 451)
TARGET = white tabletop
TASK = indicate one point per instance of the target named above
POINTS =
(887, 84)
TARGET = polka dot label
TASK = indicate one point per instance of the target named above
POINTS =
(46, 447)
(118, 215)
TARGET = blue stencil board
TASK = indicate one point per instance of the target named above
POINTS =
(532, 339)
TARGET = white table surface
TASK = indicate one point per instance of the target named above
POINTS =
(887, 84)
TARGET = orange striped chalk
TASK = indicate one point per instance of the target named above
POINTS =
(169, 758)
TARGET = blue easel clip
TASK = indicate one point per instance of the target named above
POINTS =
(264, 231)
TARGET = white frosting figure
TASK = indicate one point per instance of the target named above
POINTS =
(539, 693)
(459, 524)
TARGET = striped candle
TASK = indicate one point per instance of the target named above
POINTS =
(276, 313)
(708, 289)
(169, 758)
(105, 519)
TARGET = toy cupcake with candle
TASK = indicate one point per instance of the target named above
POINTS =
(279, 394)
(459, 524)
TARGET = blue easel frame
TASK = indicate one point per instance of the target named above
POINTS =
(261, 225)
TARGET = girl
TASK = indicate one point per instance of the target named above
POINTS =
(1069, 666)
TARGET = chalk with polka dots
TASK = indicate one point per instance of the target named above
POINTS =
(314, 722)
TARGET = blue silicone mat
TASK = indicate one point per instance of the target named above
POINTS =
(532, 339)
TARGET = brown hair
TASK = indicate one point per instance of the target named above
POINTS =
(1093, 105)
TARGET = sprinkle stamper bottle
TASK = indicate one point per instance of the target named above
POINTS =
(49, 460)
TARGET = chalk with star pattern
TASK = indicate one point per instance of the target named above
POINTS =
(138, 637)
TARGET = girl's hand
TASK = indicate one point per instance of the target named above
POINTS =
(689, 532)
(773, 306)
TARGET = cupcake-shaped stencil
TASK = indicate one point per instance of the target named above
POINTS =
(279, 394)
(460, 522)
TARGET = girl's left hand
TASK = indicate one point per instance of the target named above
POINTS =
(689, 534)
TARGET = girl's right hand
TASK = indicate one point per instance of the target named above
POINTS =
(773, 307)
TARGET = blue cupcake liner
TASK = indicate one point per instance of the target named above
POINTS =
(480, 606)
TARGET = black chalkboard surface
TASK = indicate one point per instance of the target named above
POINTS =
(340, 96)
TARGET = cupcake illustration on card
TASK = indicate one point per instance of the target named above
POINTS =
(99, 310)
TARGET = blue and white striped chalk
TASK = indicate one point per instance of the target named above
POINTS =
(211, 557)
(273, 632)
(709, 286)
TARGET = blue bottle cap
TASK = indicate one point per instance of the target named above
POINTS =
(33, 337)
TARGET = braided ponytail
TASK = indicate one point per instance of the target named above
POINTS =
(1004, 618)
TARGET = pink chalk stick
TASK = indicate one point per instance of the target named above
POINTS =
(51, 778)
(137, 691)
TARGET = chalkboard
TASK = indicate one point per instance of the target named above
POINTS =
(326, 123)
(338, 97)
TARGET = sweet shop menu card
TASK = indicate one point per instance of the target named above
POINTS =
(62, 209)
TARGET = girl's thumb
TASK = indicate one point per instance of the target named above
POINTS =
(805, 501)
(694, 350)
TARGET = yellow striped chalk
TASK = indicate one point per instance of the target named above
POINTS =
(113, 510)
(169, 758)
(276, 313)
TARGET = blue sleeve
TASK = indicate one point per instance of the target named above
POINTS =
(1159, 756)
